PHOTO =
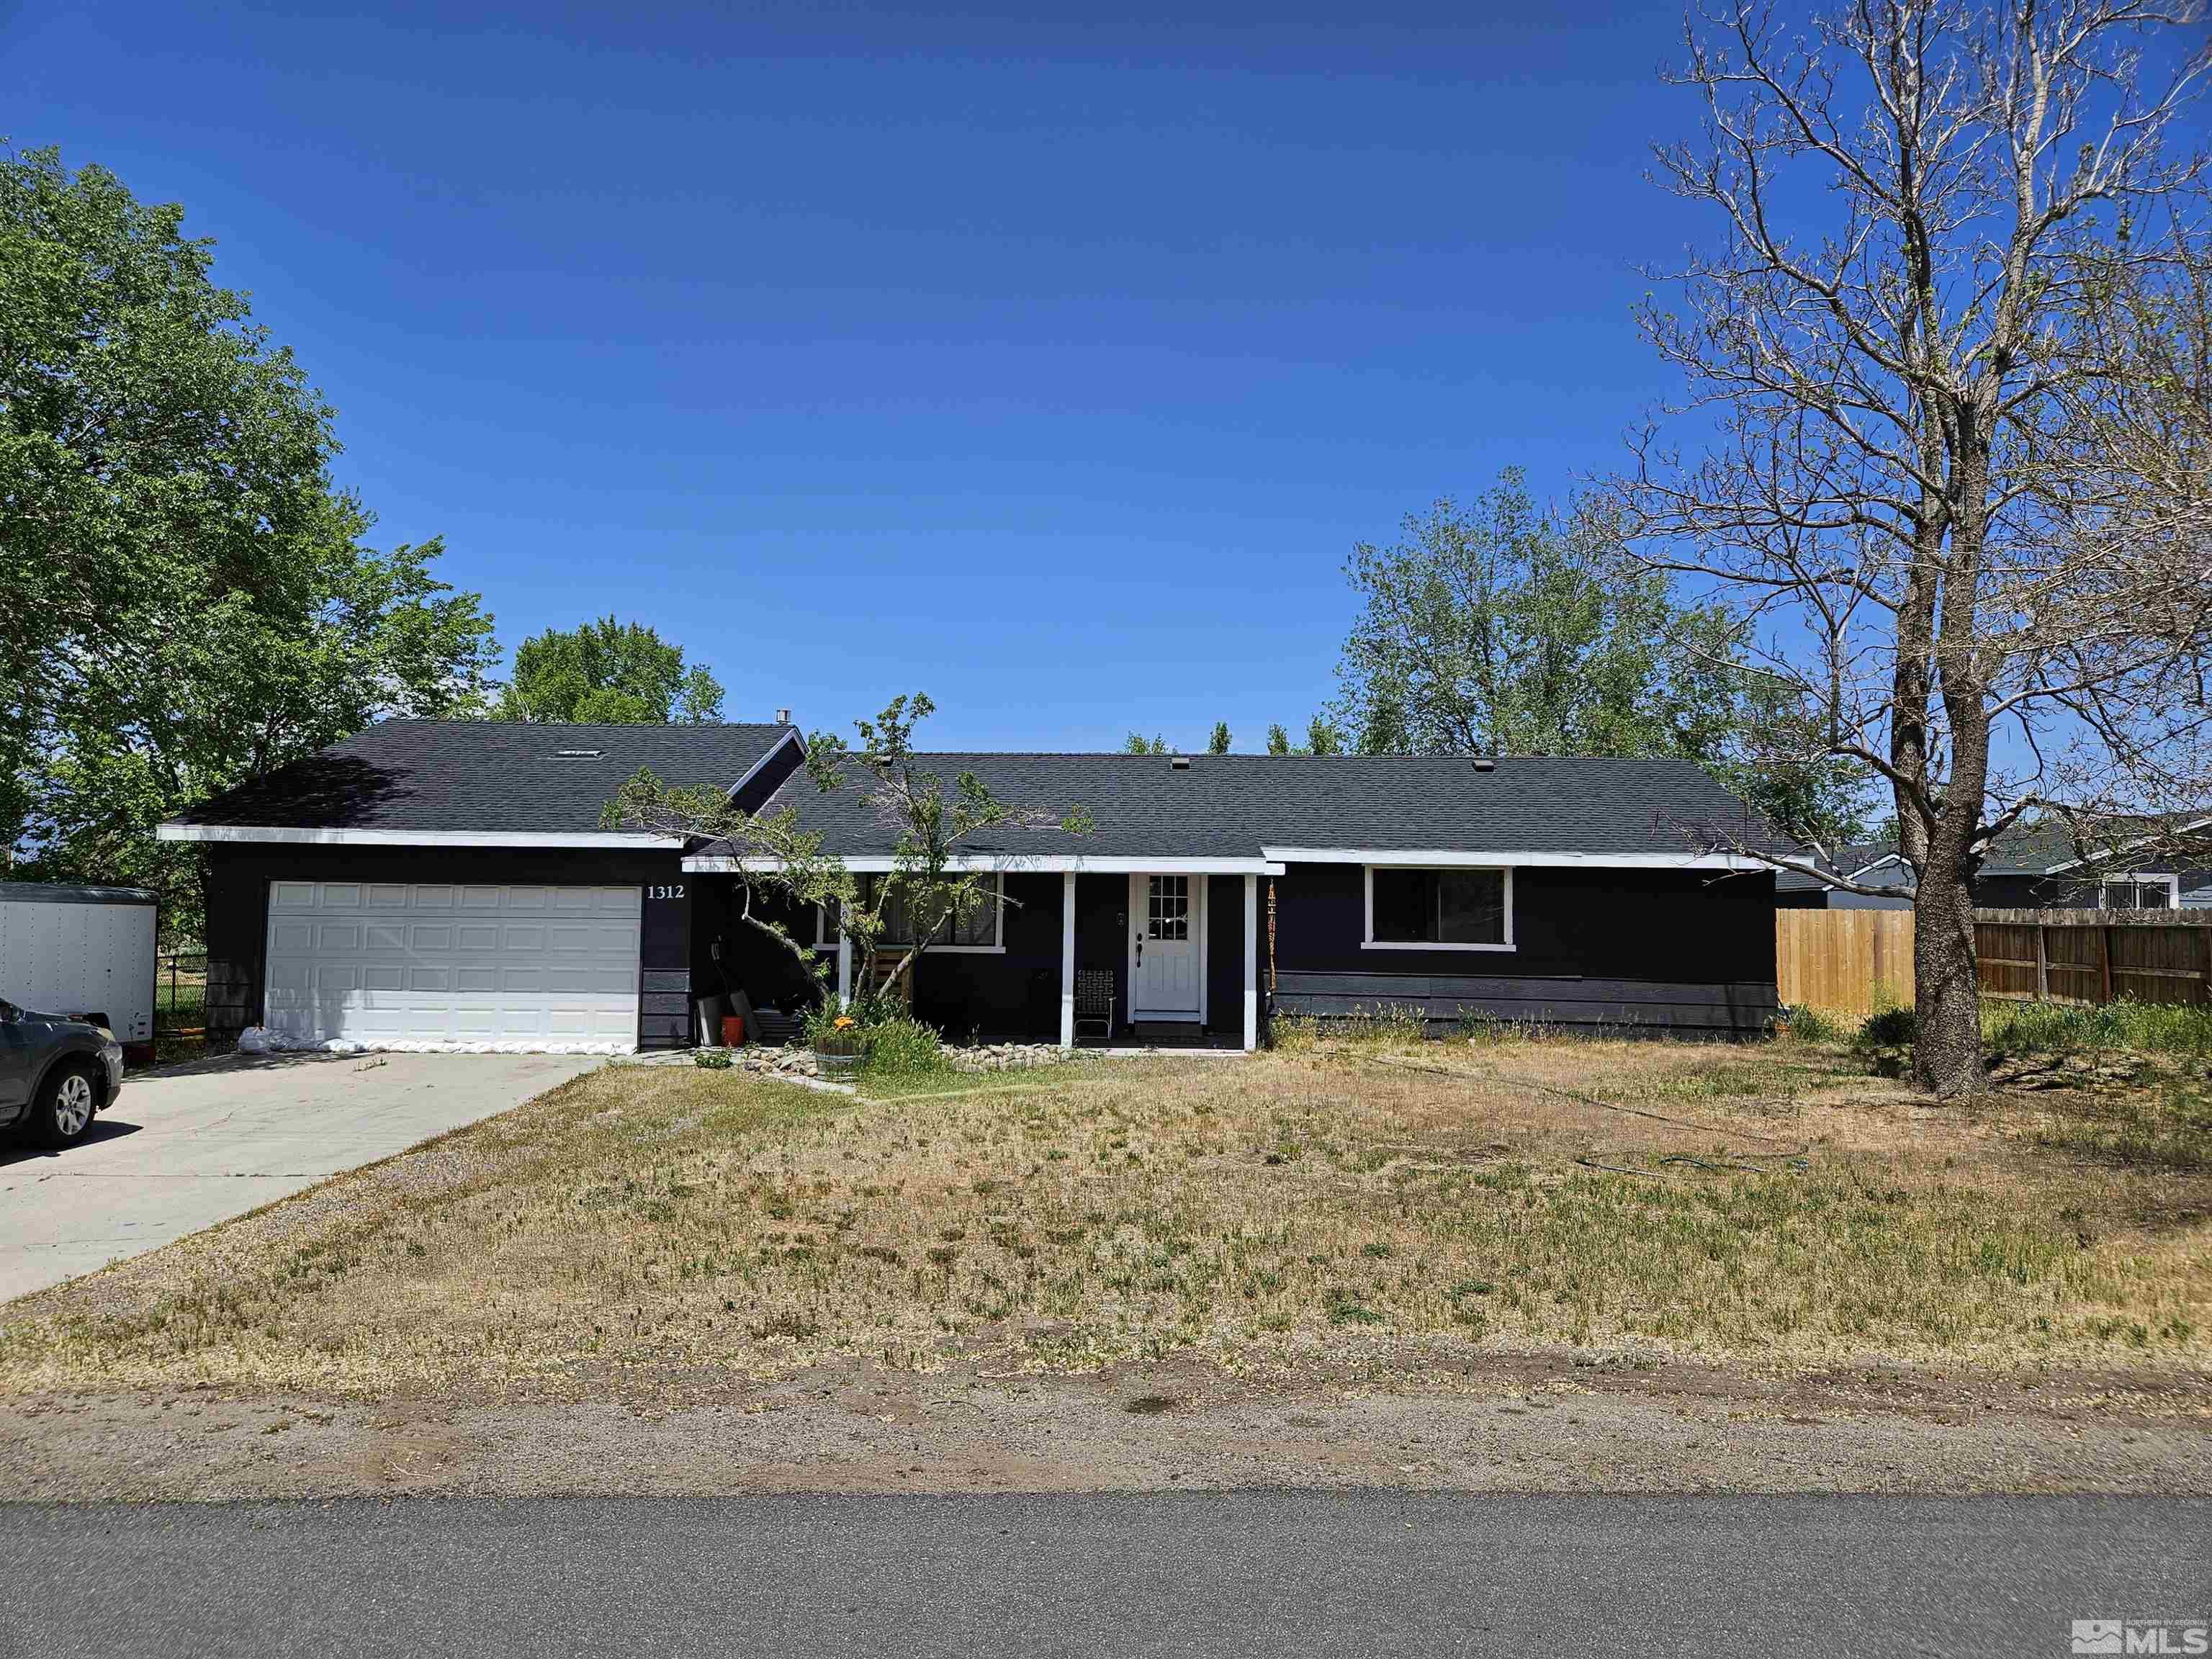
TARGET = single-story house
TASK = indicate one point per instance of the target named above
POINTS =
(449, 883)
(2111, 864)
(1871, 864)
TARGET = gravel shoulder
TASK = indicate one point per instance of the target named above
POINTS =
(1539, 1425)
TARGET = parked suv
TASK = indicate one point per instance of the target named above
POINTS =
(55, 1073)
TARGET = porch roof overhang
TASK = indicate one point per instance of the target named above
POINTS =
(1521, 858)
(709, 863)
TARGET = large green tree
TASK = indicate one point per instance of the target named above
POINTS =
(189, 600)
(615, 672)
(1500, 627)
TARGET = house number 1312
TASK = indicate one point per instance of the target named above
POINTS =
(676, 891)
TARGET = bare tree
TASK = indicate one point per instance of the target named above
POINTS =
(1956, 522)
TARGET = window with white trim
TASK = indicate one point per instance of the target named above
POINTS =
(2140, 891)
(980, 930)
(1411, 909)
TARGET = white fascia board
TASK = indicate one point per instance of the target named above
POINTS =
(1039, 863)
(1449, 858)
(2128, 846)
(324, 837)
(753, 770)
(1887, 858)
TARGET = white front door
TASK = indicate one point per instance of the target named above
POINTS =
(1167, 947)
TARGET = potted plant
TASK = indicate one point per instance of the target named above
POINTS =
(840, 1043)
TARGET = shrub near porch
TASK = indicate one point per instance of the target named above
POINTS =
(1361, 1209)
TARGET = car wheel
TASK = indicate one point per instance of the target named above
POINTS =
(66, 1106)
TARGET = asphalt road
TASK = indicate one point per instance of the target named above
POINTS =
(1203, 1573)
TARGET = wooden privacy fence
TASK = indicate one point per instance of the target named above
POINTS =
(2095, 956)
(1847, 962)
(1851, 961)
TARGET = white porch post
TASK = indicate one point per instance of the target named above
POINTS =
(1068, 960)
(1251, 963)
(844, 968)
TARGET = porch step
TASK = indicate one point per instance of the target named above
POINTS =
(1166, 1031)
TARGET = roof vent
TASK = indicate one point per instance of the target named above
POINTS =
(783, 717)
(1181, 763)
(578, 754)
(1485, 763)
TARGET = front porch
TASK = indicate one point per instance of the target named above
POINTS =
(1177, 951)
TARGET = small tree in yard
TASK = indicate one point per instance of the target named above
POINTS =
(934, 820)
(1952, 471)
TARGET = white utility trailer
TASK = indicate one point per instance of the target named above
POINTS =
(82, 951)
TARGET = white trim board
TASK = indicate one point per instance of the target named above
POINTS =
(1449, 858)
(790, 736)
(1015, 863)
(332, 837)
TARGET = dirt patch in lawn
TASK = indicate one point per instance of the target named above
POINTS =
(1323, 1213)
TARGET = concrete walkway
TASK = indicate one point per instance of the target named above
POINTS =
(188, 1145)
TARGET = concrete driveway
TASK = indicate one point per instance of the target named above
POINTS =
(188, 1145)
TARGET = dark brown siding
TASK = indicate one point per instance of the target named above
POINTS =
(1102, 932)
(750, 962)
(238, 913)
(1618, 947)
(1224, 955)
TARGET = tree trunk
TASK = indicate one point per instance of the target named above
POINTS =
(1947, 1059)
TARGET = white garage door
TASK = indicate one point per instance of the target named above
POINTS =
(437, 965)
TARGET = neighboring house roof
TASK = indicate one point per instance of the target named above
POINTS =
(1273, 808)
(2049, 846)
(1854, 863)
(2040, 847)
(466, 778)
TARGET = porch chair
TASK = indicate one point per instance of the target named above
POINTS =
(1094, 1002)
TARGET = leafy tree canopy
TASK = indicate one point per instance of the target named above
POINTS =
(1217, 741)
(1500, 628)
(608, 671)
(189, 600)
(1138, 744)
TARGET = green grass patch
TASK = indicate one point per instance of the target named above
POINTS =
(2023, 1028)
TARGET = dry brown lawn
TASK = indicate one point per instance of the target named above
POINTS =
(1358, 1205)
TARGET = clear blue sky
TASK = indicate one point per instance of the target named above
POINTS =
(1052, 366)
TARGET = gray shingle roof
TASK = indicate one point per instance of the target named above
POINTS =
(1849, 861)
(1231, 805)
(483, 776)
(2033, 848)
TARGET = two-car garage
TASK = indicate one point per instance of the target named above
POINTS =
(457, 884)
(452, 964)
